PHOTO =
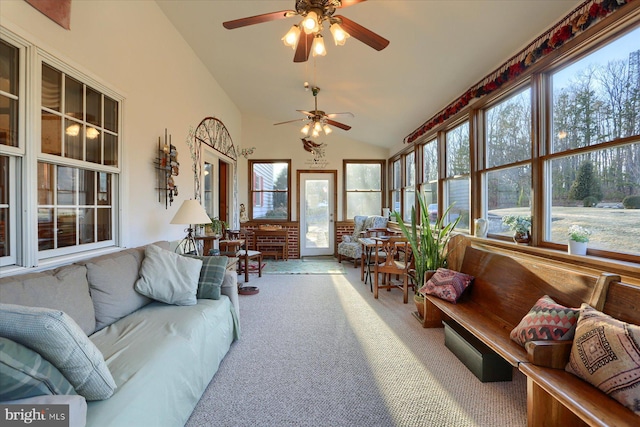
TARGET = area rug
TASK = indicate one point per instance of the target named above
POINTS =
(296, 266)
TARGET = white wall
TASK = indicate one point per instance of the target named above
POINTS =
(283, 142)
(132, 48)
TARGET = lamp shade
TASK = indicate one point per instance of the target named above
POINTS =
(191, 212)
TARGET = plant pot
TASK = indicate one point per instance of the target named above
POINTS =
(521, 238)
(419, 301)
(577, 248)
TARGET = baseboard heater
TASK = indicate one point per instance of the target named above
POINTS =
(485, 363)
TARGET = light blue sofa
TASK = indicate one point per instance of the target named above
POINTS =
(161, 356)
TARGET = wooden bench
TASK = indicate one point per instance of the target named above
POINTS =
(506, 285)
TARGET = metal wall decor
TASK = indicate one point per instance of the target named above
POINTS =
(167, 166)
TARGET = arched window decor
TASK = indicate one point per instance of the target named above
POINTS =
(212, 132)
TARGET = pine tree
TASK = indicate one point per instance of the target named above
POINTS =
(586, 183)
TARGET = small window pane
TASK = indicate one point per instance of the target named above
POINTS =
(430, 197)
(508, 130)
(45, 183)
(430, 161)
(94, 107)
(73, 104)
(46, 227)
(361, 176)
(409, 202)
(508, 192)
(87, 186)
(66, 185)
(110, 150)
(4, 207)
(274, 206)
(73, 139)
(596, 99)
(110, 114)
(458, 193)
(67, 221)
(87, 225)
(104, 224)
(410, 169)
(8, 121)
(363, 204)
(51, 88)
(104, 188)
(457, 146)
(51, 134)
(397, 175)
(9, 58)
(93, 147)
(395, 196)
(598, 190)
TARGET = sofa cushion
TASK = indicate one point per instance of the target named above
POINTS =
(606, 354)
(112, 281)
(447, 284)
(60, 340)
(168, 277)
(65, 289)
(24, 373)
(547, 320)
(211, 276)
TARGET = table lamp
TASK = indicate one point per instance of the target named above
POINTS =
(190, 213)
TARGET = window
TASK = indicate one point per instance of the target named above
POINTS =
(457, 180)
(594, 166)
(363, 187)
(508, 144)
(270, 183)
(429, 187)
(409, 188)
(68, 165)
(396, 185)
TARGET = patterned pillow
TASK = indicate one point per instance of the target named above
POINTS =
(211, 276)
(59, 339)
(606, 353)
(24, 373)
(447, 284)
(546, 321)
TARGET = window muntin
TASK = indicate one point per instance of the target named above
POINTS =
(270, 183)
(597, 99)
(458, 167)
(363, 187)
(588, 189)
(9, 96)
(396, 186)
(508, 130)
(409, 189)
(429, 186)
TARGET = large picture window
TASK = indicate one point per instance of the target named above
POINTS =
(409, 188)
(429, 187)
(458, 168)
(363, 187)
(270, 183)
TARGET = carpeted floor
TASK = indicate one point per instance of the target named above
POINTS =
(304, 266)
(319, 350)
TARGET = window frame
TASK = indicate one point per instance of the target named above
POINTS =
(346, 191)
(253, 193)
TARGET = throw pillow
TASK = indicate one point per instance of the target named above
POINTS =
(447, 284)
(24, 373)
(211, 276)
(168, 277)
(546, 321)
(606, 353)
(59, 339)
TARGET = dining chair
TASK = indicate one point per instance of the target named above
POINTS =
(396, 262)
(237, 244)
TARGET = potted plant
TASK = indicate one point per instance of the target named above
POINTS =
(429, 245)
(520, 225)
(578, 239)
(215, 227)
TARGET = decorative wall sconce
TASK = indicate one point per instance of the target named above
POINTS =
(246, 152)
(167, 167)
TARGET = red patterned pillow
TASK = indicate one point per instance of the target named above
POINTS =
(447, 284)
(546, 321)
(606, 353)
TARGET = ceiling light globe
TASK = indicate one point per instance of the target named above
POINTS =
(291, 38)
(327, 130)
(73, 130)
(305, 129)
(315, 133)
(318, 46)
(339, 35)
(310, 23)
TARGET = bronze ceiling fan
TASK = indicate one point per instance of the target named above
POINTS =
(317, 120)
(306, 36)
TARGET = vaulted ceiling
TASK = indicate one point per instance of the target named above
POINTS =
(438, 50)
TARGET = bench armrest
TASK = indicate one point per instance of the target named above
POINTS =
(550, 354)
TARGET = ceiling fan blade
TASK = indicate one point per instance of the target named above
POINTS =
(332, 115)
(363, 34)
(338, 124)
(347, 3)
(306, 113)
(289, 121)
(304, 47)
(258, 19)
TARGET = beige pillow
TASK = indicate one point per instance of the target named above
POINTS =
(168, 277)
(606, 353)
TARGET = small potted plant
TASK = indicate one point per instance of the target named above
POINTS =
(215, 228)
(578, 239)
(520, 225)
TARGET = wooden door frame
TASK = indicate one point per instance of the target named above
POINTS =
(333, 172)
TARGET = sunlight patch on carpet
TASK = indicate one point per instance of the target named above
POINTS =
(296, 266)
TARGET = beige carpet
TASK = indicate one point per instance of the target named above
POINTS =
(321, 351)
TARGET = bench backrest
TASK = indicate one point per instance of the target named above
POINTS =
(509, 285)
(623, 302)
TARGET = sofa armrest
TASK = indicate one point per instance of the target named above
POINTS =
(230, 288)
(550, 354)
(77, 406)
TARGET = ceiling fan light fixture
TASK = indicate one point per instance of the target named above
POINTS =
(317, 127)
(340, 36)
(92, 133)
(305, 129)
(291, 38)
(310, 23)
(327, 130)
(318, 47)
(315, 133)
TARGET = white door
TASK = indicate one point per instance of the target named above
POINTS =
(316, 214)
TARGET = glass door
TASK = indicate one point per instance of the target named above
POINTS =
(317, 214)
